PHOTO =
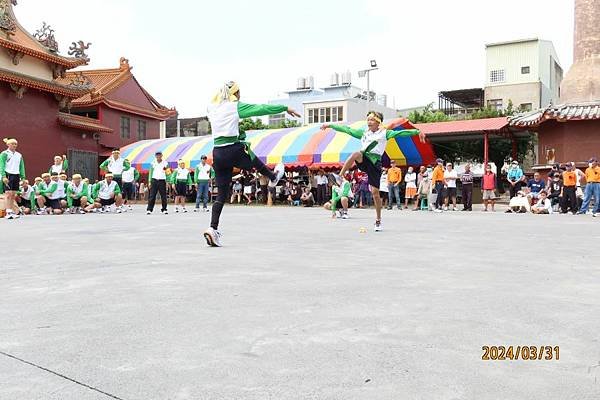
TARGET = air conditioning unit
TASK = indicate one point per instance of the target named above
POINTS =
(346, 78)
(301, 84)
(335, 79)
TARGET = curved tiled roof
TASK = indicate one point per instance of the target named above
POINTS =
(79, 122)
(561, 113)
(40, 84)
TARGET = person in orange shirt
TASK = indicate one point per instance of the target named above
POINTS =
(437, 181)
(569, 196)
(592, 188)
(394, 177)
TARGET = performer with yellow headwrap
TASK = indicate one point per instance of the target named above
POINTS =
(61, 165)
(12, 170)
(231, 150)
(77, 195)
(368, 159)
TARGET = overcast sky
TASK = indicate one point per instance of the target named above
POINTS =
(183, 50)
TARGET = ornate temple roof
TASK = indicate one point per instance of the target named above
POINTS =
(84, 123)
(561, 113)
(106, 81)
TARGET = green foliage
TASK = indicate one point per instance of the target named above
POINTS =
(427, 115)
(286, 124)
(248, 124)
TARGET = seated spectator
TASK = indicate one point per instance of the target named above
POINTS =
(307, 197)
(236, 192)
(424, 189)
(295, 194)
(536, 186)
(519, 203)
(543, 206)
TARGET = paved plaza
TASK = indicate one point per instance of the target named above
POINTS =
(298, 306)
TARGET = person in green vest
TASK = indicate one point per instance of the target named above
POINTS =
(341, 198)
(55, 193)
(61, 165)
(106, 193)
(129, 178)
(26, 198)
(12, 170)
(231, 149)
(115, 164)
(180, 180)
(203, 176)
(77, 195)
(41, 184)
(373, 143)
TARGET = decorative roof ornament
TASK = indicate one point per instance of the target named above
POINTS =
(80, 81)
(7, 22)
(78, 49)
(45, 35)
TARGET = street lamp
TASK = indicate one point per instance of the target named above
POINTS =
(366, 72)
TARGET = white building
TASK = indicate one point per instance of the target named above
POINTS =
(527, 72)
(340, 102)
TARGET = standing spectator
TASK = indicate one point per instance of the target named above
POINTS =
(322, 182)
(489, 188)
(592, 188)
(248, 181)
(203, 175)
(364, 191)
(437, 182)
(543, 206)
(569, 196)
(143, 191)
(411, 186)
(555, 170)
(450, 177)
(466, 179)
(158, 183)
(383, 187)
(394, 178)
(536, 186)
(555, 190)
(515, 178)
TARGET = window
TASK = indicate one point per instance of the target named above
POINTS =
(325, 114)
(125, 128)
(141, 130)
(277, 119)
(525, 70)
(495, 104)
(497, 75)
(526, 107)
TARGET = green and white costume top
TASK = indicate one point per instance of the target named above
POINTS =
(55, 190)
(11, 163)
(28, 195)
(373, 144)
(181, 175)
(76, 192)
(203, 173)
(40, 187)
(103, 190)
(130, 175)
(225, 119)
(337, 192)
(60, 168)
(115, 167)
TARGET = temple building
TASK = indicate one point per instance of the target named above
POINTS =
(52, 110)
(569, 131)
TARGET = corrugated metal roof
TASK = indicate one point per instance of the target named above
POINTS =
(565, 112)
(473, 126)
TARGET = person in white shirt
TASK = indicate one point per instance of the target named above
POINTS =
(12, 170)
(321, 181)
(60, 166)
(116, 166)
(129, 177)
(383, 187)
(180, 180)
(544, 205)
(55, 193)
(410, 192)
(159, 171)
(203, 175)
(106, 193)
(450, 177)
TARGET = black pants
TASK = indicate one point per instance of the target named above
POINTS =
(224, 160)
(128, 191)
(439, 189)
(321, 194)
(467, 196)
(513, 190)
(569, 199)
(158, 186)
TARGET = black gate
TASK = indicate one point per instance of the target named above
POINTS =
(84, 163)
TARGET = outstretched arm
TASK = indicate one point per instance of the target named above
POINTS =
(356, 133)
(258, 110)
(405, 133)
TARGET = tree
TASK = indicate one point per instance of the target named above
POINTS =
(248, 124)
(427, 115)
(288, 123)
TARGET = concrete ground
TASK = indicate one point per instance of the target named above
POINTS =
(298, 306)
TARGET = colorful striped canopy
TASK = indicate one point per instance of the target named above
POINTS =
(295, 147)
